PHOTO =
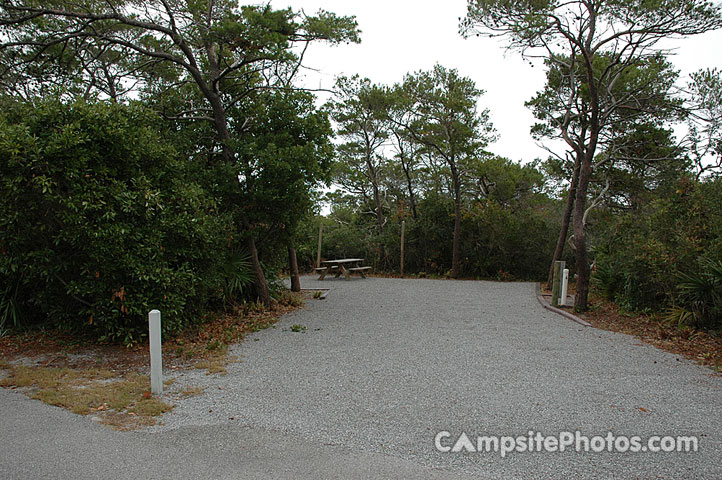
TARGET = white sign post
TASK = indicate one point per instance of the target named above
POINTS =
(565, 285)
(156, 356)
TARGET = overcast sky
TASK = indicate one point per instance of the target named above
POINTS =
(401, 36)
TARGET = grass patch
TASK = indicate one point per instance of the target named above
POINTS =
(89, 391)
(213, 365)
(43, 378)
(125, 422)
(89, 378)
(191, 392)
(216, 364)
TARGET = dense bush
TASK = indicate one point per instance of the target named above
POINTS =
(101, 221)
(509, 243)
(699, 296)
(665, 256)
(497, 241)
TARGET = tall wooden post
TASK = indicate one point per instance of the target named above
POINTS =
(403, 229)
(556, 282)
(320, 237)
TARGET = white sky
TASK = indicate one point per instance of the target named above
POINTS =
(401, 36)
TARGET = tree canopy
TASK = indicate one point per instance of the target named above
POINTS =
(593, 47)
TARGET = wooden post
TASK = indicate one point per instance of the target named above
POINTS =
(156, 356)
(555, 284)
(320, 237)
(403, 229)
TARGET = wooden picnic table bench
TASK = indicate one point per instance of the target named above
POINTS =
(345, 266)
(360, 270)
(324, 270)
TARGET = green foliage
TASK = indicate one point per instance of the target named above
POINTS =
(507, 232)
(700, 296)
(254, 149)
(607, 279)
(600, 80)
(666, 254)
(431, 118)
(281, 157)
(101, 221)
(122, 44)
(705, 126)
(9, 313)
(446, 118)
(428, 237)
(508, 243)
(237, 276)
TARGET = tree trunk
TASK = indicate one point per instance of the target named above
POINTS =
(379, 225)
(407, 173)
(457, 223)
(455, 246)
(580, 238)
(379, 210)
(223, 136)
(565, 219)
(293, 264)
(409, 185)
(220, 123)
(585, 172)
(261, 286)
(380, 250)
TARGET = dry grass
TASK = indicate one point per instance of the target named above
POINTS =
(191, 392)
(216, 364)
(88, 391)
(125, 422)
(103, 380)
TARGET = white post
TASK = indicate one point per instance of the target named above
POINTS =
(156, 357)
(565, 285)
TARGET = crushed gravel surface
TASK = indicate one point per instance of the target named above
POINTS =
(385, 364)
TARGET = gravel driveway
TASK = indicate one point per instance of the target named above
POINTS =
(385, 364)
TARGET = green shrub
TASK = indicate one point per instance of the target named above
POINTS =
(699, 297)
(607, 278)
(237, 276)
(665, 255)
(102, 221)
(500, 241)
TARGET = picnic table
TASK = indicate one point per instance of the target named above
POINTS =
(343, 266)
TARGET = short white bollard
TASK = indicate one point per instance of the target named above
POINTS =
(156, 356)
(565, 285)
